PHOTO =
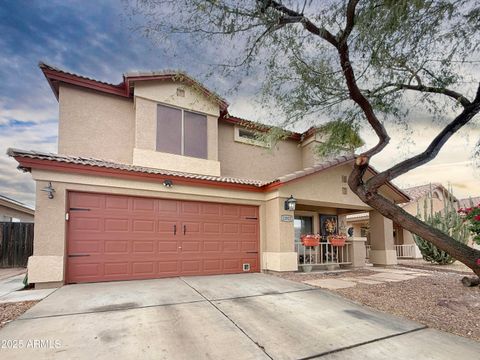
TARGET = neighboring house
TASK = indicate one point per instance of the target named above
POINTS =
(15, 211)
(420, 201)
(153, 178)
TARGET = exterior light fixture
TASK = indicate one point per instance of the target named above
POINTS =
(290, 203)
(168, 183)
(49, 190)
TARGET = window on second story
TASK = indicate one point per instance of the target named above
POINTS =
(181, 132)
(249, 136)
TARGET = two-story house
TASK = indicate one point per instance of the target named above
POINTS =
(153, 178)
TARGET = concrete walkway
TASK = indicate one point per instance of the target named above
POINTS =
(246, 316)
(11, 285)
(378, 276)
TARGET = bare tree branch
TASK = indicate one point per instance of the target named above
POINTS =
(471, 109)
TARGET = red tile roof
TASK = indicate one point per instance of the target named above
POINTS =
(259, 184)
(77, 160)
(55, 76)
(417, 192)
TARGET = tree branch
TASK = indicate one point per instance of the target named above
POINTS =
(435, 90)
(431, 152)
(350, 20)
(291, 16)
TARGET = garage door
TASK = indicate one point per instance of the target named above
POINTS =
(113, 237)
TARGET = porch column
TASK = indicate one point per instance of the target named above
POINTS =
(279, 254)
(407, 240)
(381, 240)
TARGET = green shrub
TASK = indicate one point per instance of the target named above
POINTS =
(448, 221)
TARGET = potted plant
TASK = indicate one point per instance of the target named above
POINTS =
(310, 240)
(337, 240)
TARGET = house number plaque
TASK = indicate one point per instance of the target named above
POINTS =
(286, 218)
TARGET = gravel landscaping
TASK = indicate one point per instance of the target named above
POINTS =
(10, 311)
(439, 301)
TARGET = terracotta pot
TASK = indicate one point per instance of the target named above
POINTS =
(310, 240)
(337, 240)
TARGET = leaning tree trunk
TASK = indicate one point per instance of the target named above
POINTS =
(462, 252)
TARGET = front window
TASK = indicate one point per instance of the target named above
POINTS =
(181, 132)
(302, 225)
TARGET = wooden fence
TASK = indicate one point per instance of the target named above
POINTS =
(16, 244)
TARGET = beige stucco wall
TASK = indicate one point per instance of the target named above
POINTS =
(147, 97)
(6, 213)
(324, 188)
(94, 124)
(166, 92)
(256, 162)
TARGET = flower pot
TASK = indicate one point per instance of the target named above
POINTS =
(310, 240)
(337, 240)
(307, 268)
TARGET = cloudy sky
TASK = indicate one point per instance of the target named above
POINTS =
(94, 38)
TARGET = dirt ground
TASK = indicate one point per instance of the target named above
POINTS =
(439, 301)
(10, 311)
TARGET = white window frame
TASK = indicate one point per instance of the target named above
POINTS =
(248, 141)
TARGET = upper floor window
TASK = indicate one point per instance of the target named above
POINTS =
(248, 136)
(181, 132)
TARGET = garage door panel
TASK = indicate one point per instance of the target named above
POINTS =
(143, 205)
(230, 211)
(85, 246)
(116, 269)
(230, 228)
(168, 227)
(168, 267)
(167, 246)
(86, 224)
(248, 212)
(190, 208)
(84, 200)
(116, 247)
(116, 225)
(212, 246)
(212, 228)
(231, 246)
(249, 246)
(191, 246)
(231, 265)
(214, 265)
(140, 238)
(147, 247)
(168, 207)
(145, 226)
(209, 209)
(144, 268)
(191, 266)
(116, 203)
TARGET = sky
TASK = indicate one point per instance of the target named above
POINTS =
(96, 39)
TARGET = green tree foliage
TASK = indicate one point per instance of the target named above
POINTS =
(448, 221)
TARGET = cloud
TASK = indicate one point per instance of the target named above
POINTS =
(95, 39)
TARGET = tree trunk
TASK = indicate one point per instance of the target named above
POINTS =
(456, 249)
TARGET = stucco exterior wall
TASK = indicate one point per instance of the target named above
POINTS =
(324, 188)
(7, 213)
(166, 92)
(255, 162)
(145, 154)
(93, 124)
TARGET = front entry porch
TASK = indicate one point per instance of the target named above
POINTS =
(326, 255)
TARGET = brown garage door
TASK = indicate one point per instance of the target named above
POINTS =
(113, 237)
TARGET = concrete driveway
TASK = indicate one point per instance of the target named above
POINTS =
(246, 316)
